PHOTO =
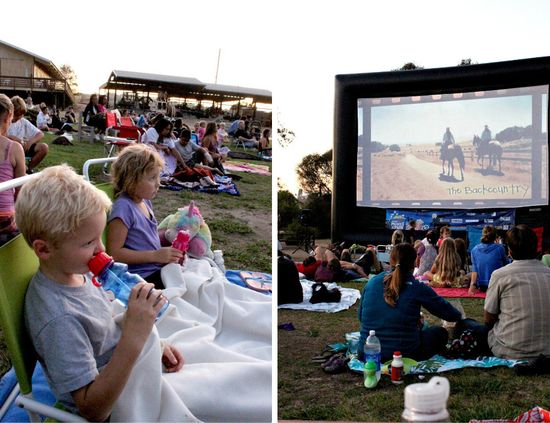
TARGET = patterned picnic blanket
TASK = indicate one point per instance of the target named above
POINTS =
(248, 168)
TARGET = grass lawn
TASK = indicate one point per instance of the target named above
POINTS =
(305, 392)
(240, 226)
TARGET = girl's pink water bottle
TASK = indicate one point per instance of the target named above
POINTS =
(182, 242)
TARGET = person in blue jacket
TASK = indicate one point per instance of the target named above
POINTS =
(390, 305)
(486, 258)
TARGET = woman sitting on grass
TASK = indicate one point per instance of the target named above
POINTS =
(390, 305)
(486, 258)
(210, 143)
(446, 271)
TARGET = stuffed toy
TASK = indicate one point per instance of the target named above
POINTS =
(189, 219)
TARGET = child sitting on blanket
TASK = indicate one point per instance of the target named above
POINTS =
(446, 271)
(132, 237)
(87, 358)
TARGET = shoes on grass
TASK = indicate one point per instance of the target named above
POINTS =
(338, 363)
(537, 366)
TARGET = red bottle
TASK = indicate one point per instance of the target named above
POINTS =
(397, 368)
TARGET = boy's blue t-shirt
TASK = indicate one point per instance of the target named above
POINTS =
(73, 333)
(486, 258)
(397, 327)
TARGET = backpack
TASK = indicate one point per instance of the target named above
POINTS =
(321, 294)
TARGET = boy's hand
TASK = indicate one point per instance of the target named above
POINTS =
(168, 255)
(143, 306)
(172, 359)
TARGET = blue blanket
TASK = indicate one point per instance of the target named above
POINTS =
(40, 391)
(234, 276)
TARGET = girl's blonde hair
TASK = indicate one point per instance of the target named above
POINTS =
(19, 104)
(447, 262)
(53, 205)
(397, 237)
(404, 257)
(131, 164)
(6, 106)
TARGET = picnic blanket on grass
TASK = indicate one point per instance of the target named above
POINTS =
(349, 297)
(436, 364)
(458, 293)
(238, 277)
(225, 184)
(248, 168)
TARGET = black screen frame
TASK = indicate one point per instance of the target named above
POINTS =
(351, 222)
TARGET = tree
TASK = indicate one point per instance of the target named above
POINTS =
(288, 208)
(284, 135)
(395, 147)
(466, 62)
(409, 66)
(315, 173)
(70, 76)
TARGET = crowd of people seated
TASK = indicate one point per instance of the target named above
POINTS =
(515, 279)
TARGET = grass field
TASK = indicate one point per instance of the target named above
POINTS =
(240, 226)
(305, 392)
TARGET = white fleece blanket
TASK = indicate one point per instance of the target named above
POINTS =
(224, 334)
(349, 297)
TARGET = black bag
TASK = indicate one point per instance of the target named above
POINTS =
(321, 294)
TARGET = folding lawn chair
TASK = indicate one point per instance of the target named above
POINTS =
(18, 263)
(120, 136)
(85, 132)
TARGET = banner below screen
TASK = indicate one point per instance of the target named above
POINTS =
(459, 220)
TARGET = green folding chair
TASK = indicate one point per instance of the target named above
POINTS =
(18, 264)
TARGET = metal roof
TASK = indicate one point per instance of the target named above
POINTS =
(182, 86)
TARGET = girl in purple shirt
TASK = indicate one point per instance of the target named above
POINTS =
(132, 235)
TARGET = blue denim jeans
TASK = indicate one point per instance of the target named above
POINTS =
(479, 330)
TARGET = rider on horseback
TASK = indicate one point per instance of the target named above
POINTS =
(448, 140)
(486, 135)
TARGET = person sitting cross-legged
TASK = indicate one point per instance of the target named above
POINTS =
(26, 134)
(391, 304)
(516, 313)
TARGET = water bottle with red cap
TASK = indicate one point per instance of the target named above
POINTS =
(114, 277)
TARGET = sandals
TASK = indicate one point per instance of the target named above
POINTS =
(338, 363)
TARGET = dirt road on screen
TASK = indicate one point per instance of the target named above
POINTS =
(404, 176)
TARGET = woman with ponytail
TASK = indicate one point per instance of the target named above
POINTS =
(391, 304)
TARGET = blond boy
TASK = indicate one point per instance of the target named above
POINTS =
(87, 357)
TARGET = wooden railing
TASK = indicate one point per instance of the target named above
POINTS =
(32, 83)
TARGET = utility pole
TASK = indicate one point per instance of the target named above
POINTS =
(218, 65)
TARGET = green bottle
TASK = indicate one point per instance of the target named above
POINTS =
(369, 373)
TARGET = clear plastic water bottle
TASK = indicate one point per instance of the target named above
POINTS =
(373, 351)
(114, 277)
(218, 259)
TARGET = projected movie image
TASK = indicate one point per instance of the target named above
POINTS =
(461, 150)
